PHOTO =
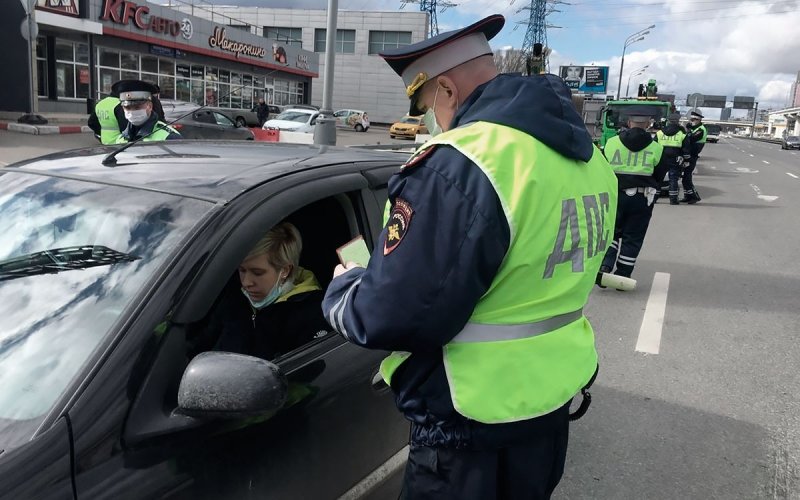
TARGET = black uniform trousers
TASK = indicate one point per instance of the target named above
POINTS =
(529, 469)
(674, 176)
(633, 218)
(686, 177)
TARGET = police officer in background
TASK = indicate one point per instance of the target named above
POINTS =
(641, 167)
(107, 119)
(697, 140)
(479, 279)
(676, 150)
(136, 98)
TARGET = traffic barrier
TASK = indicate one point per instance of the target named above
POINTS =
(296, 137)
(266, 135)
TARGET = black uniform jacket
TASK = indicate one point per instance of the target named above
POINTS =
(695, 133)
(636, 139)
(295, 319)
(425, 276)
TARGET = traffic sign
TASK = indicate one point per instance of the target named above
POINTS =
(694, 100)
(34, 29)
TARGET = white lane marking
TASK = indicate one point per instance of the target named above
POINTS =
(764, 197)
(752, 154)
(765, 161)
(376, 477)
(731, 162)
(792, 175)
(746, 170)
(653, 322)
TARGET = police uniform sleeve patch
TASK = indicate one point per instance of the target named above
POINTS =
(415, 159)
(397, 227)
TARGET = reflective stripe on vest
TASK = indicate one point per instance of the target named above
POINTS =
(702, 139)
(670, 141)
(475, 332)
(625, 161)
(161, 132)
(527, 349)
(109, 127)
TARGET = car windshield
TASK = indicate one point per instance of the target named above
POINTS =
(793, 138)
(293, 116)
(74, 255)
(409, 119)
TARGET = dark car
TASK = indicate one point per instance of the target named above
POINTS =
(108, 275)
(196, 122)
(790, 142)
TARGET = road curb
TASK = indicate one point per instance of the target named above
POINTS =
(44, 129)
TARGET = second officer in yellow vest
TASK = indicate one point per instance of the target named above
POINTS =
(497, 228)
(136, 98)
(640, 166)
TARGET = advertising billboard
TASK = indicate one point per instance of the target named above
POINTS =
(585, 79)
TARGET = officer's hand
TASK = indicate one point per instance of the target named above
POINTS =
(679, 160)
(340, 269)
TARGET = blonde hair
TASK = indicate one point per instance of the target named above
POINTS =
(282, 245)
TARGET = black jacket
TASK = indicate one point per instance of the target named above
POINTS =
(636, 139)
(417, 295)
(272, 331)
(262, 111)
(695, 133)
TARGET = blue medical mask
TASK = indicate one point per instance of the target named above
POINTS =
(277, 290)
(429, 119)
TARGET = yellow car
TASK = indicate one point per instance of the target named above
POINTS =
(408, 126)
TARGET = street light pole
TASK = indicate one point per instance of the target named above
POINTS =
(325, 128)
(630, 41)
(635, 73)
(755, 114)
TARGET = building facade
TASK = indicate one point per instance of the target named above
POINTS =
(362, 80)
(84, 46)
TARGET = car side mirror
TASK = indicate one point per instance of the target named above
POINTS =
(228, 385)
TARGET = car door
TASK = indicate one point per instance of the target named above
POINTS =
(227, 129)
(130, 442)
(204, 125)
(341, 117)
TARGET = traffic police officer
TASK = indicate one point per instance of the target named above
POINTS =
(107, 119)
(497, 228)
(640, 167)
(697, 140)
(136, 98)
(676, 150)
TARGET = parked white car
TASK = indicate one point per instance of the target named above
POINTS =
(353, 119)
(294, 120)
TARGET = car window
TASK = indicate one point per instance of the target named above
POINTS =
(73, 257)
(294, 116)
(204, 116)
(223, 120)
(340, 114)
(409, 119)
(323, 225)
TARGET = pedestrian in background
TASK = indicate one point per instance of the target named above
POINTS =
(262, 111)
(640, 166)
(479, 279)
(697, 140)
(676, 151)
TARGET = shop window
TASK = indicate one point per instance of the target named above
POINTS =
(288, 36)
(129, 61)
(198, 97)
(345, 41)
(380, 41)
(107, 78)
(150, 64)
(167, 85)
(109, 58)
(166, 67)
(72, 75)
(41, 66)
(130, 75)
(183, 90)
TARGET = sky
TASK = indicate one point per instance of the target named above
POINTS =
(718, 47)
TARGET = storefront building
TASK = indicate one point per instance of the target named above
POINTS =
(83, 47)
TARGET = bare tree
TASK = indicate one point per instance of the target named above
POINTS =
(509, 61)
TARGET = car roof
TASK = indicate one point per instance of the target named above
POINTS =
(215, 171)
(301, 110)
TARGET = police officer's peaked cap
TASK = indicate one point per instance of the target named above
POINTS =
(132, 91)
(422, 61)
(696, 114)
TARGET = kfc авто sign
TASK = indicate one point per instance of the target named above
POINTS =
(125, 12)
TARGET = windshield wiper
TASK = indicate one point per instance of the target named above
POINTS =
(56, 260)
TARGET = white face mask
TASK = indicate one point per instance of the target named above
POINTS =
(429, 119)
(278, 289)
(136, 116)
